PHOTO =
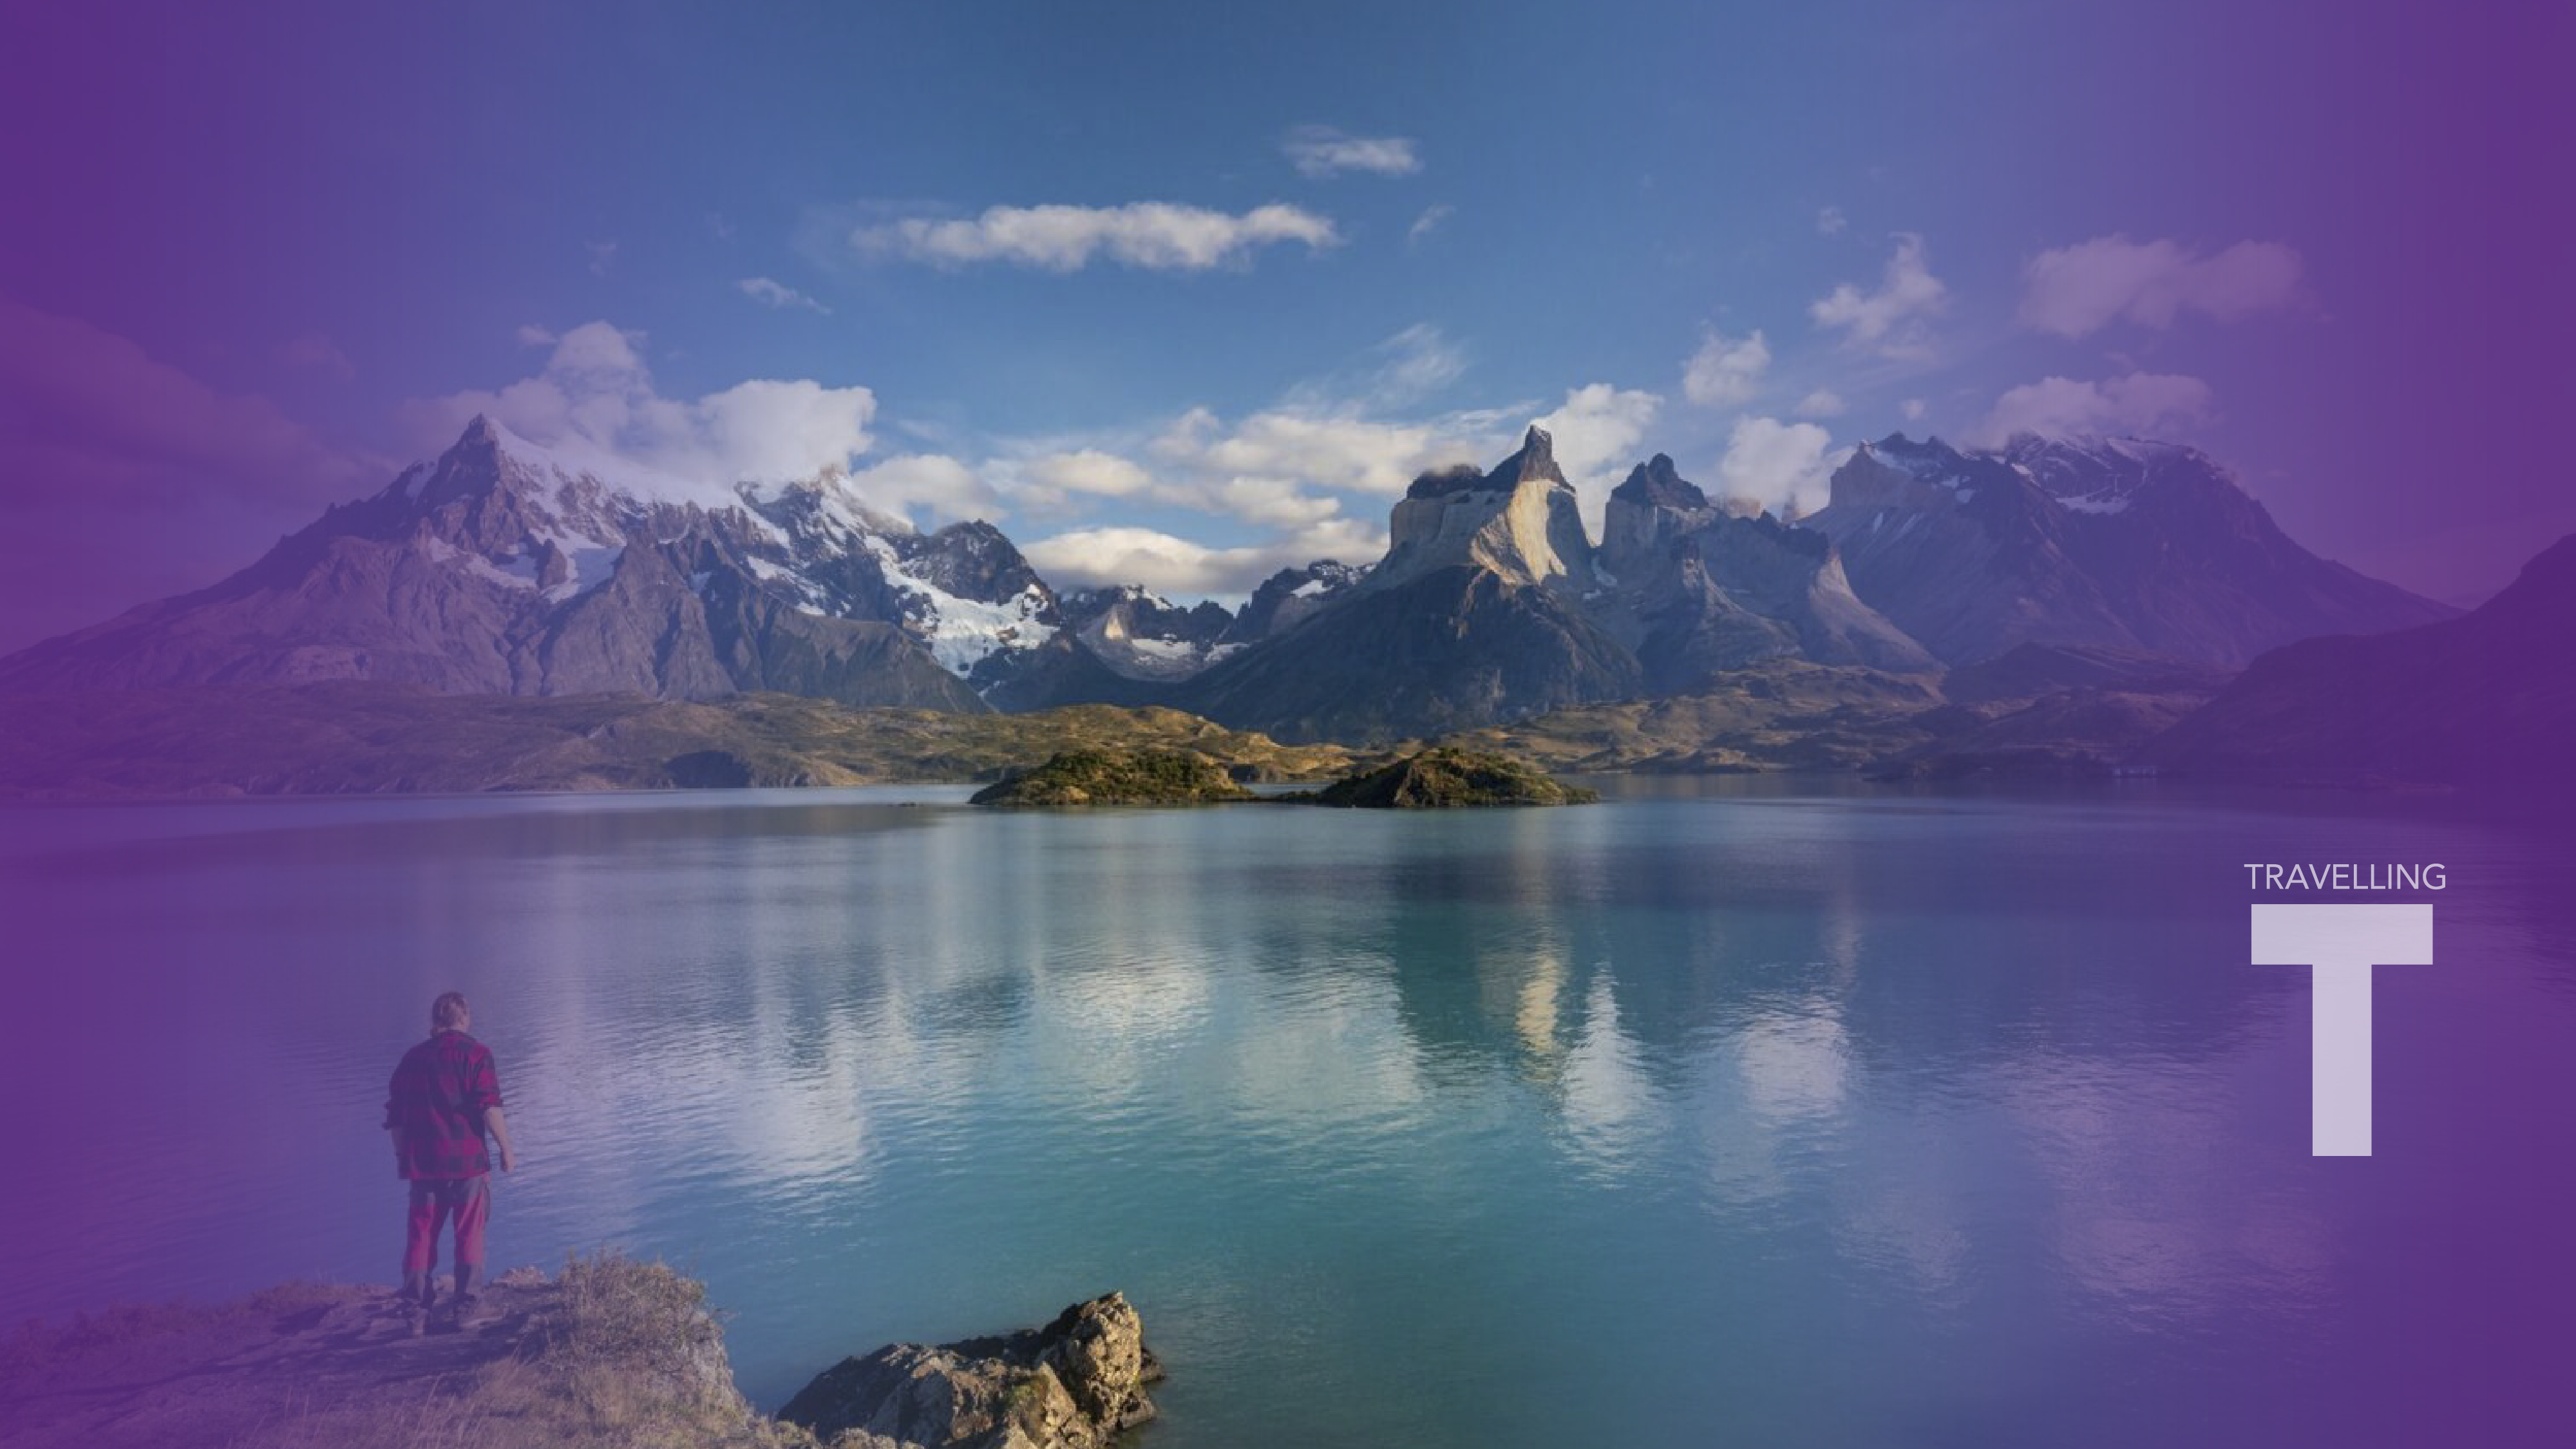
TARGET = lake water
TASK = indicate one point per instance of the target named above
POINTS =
(1755, 1111)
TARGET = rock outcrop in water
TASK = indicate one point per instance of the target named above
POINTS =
(1077, 1383)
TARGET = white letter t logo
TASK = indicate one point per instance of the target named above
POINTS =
(2342, 943)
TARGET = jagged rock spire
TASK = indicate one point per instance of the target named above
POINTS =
(1656, 482)
(1536, 459)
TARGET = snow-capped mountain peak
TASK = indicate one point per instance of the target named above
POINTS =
(2104, 476)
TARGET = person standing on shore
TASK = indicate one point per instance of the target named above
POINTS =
(445, 1099)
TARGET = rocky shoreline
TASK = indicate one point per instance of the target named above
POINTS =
(607, 1352)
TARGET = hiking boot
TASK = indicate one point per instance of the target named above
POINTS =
(415, 1299)
(467, 1312)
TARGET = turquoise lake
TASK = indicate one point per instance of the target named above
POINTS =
(1749, 1111)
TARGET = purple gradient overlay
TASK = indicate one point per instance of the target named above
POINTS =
(240, 243)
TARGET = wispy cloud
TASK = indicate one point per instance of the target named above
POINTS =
(1395, 375)
(319, 353)
(2139, 402)
(1892, 319)
(1824, 402)
(1428, 222)
(778, 294)
(1418, 361)
(1323, 151)
(90, 396)
(139, 479)
(1830, 221)
(2078, 290)
(1154, 235)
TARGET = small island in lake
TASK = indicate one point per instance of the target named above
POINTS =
(1439, 778)
(1445, 778)
(1116, 777)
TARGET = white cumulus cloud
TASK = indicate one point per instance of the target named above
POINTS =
(595, 403)
(933, 484)
(1328, 448)
(1890, 320)
(1785, 467)
(1723, 372)
(2078, 290)
(1167, 563)
(1597, 431)
(2139, 402)
(1272, 502)
(1088, 470)
(1322, 151)
(1155, 235)
(1824, 402)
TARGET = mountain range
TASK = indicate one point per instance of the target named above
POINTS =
(2470, 700)
(500, 567)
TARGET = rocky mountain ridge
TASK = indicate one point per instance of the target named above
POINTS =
(2121, 543)
(501, 567)
(2488, 698)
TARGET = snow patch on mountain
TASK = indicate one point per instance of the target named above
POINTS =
(962, 633)
(2096, 503)
(591, 567)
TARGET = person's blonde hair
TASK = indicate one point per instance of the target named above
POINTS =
(447, 1013)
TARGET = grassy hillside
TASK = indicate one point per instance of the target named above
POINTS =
(1780, 715)
(373, 738)
(357, 738)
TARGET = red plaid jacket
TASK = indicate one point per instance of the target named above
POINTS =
(438, 1097)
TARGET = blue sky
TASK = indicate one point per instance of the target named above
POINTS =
(2330, 255)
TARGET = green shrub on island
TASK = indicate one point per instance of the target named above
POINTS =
(1116, 777)
(1446, 778)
